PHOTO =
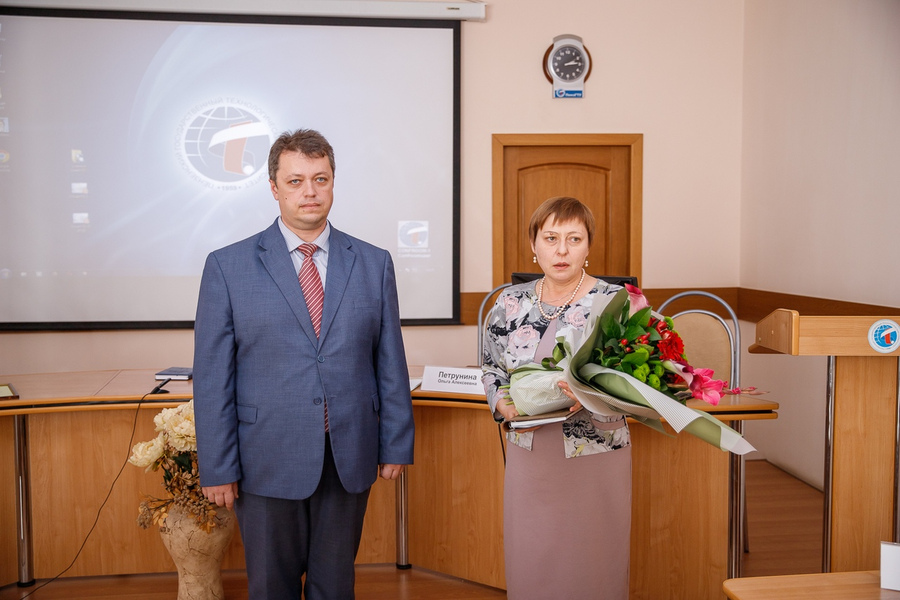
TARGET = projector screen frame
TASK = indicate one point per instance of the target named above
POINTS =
(281, 19)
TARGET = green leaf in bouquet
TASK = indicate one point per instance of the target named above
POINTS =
(641, 318)
(610, 361)
(610, 326)
(654, 335)
(633, 332)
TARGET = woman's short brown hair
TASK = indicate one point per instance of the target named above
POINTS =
(562, 208)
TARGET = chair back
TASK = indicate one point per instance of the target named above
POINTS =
(709, 341)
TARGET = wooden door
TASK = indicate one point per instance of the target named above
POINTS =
(602, 170)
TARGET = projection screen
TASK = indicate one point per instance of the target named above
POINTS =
(132, 144)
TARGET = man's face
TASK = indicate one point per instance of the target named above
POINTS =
(304, 189)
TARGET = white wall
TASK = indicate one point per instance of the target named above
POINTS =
(669, 70)
(795, 441)
(820, 201)
(770, 131)
(820, 205)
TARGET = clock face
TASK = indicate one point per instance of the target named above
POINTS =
(567, 63)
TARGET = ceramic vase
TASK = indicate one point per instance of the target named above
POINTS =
(197, 554)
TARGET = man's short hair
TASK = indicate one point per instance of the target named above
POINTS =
(308, 142)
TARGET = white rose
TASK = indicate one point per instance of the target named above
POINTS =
(145, 454)
(182, 438)
(162, 418)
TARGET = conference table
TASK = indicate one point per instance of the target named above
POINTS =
(71, 434)
(854, 585)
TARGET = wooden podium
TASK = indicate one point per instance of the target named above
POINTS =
(861, 427)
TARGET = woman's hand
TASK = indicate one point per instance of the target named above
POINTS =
(564, 386)
(505, 406)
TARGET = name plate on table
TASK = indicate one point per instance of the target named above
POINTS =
(890, 566)
(454, 380)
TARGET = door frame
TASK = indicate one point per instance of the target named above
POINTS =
(501, 141)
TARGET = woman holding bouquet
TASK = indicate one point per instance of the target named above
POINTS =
(567, 488)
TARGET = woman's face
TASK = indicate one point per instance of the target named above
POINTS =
(561, 249)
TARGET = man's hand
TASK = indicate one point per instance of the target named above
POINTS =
(222, 495)
(390, 471)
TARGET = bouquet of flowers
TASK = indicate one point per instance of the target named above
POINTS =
(648, 348)
(174, 451)
(628, 361)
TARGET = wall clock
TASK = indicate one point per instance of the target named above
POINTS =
(567, 65)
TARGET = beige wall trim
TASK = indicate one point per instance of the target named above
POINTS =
(750, 305)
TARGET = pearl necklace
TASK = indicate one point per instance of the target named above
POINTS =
(559, 310)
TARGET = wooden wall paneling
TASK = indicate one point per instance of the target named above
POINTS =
(679, 520)
(864, 439)
(68, 489)
(9, 571)
(754, 305)
(74, 459)
(750, 305)
(455, 494)
(656, 296)
(379, 539)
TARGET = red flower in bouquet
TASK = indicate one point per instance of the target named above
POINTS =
(671, 346)
(649, 349)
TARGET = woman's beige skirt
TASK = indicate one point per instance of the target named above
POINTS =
(566, 521)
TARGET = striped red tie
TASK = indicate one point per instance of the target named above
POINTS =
(311, 285)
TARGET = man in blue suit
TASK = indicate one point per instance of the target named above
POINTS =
(296, 414)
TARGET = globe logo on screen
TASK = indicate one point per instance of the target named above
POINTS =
(225, 144)
(412, 234)
(884, 336)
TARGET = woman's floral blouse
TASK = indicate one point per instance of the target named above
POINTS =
(515, 330)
